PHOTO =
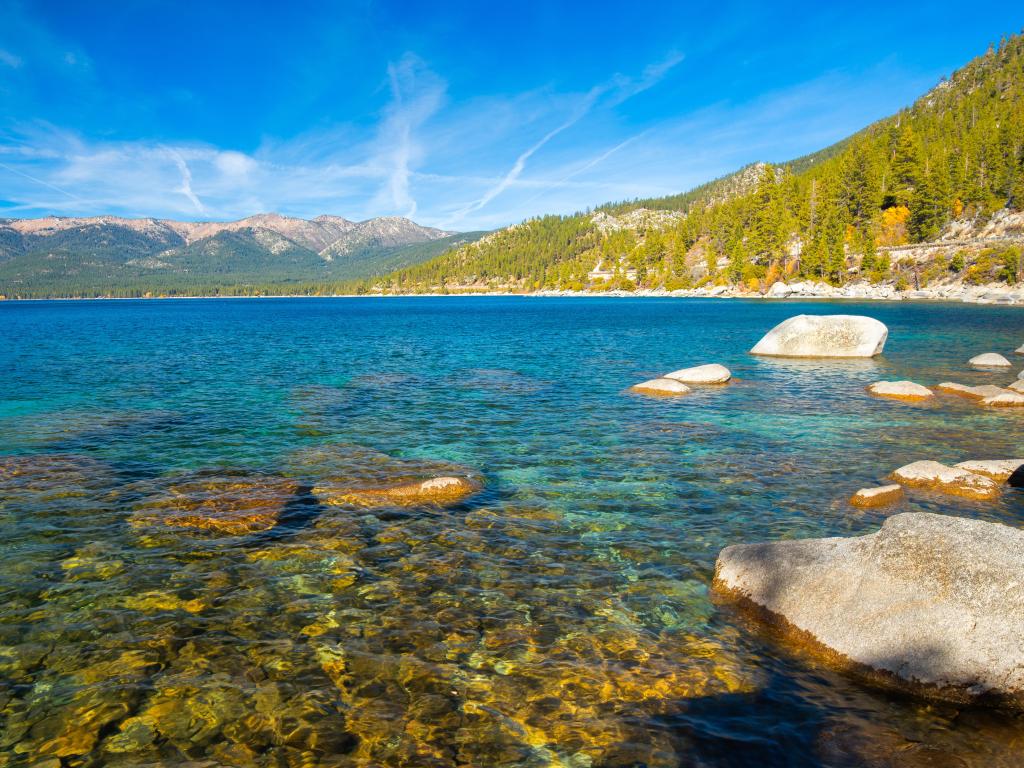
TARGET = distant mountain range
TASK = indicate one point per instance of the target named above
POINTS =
(107, 255)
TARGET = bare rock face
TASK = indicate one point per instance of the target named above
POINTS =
(990, 360)
(879, 496)
(998, 469)
(934, 476)
(824, 336)
(900, 390)
(661, 387)
(931, 604)
(702, 374)
(971, 393)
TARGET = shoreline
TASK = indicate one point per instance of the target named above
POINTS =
(999, 294)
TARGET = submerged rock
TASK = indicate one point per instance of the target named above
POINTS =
(900, 390)
(879, 496)
(436, 490)
(931, 604)
(663, 387)
(990, 360)
(824, 336)
(971, 393)
(702, 374)
(997, 469)
(226, 501)
(953, 480)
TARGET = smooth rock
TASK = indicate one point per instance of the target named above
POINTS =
(436, 490)
(931, 604)
(663, 387)
(900, 390)
(990, 360)
(1005, 400)
(971, 393)
(938, 477)
(1019, 350)
(1017, 386)
(879, 496)
(702, 374)
(824, 336)
(997, 469)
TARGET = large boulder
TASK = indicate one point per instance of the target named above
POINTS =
(702, 374)
(931, 604)
(824, 336)
(989, 360)
(900, 390)
(933, 476)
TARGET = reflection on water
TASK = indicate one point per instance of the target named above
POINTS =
(207, 562)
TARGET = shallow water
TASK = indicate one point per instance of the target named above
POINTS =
(559, 616)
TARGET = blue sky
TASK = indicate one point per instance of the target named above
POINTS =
(460, 115)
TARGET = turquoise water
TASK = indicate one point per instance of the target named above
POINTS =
(559, 616)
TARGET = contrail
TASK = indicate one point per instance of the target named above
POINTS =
(46, 184)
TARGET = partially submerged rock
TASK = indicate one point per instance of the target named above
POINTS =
(900, 390)
(1005, 400)
(953, 480)
(1017, 386)
(1019, 350)
(702, 374)
(232, 502)
(997, 469)
(931, 604)
(824, 336)
(662, 387)
(436, 490)
(990, 360)
(971, 393)
(879, 496)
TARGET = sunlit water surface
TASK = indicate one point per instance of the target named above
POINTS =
(560, 616)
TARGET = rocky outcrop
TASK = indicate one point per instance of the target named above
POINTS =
(878, 496)
(661, 387)
(990, 360)
(930, 604)
(824, 336)
(934, 476)
(702, 374)
(900, 390)
(998, 469)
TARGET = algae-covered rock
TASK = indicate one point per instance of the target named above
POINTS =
(930, 603)
(953, 480)
(879, 496)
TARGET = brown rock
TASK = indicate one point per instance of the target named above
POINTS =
(877, 497)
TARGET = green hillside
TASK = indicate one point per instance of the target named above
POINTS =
(957, 153)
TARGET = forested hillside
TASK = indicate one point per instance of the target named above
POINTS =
(953, 159)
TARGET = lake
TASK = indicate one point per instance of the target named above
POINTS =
(559, 617)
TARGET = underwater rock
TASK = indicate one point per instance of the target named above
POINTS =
(998, 469)
(930, 603)
(1005, 400)
(51, 475)
(879, 496)
(824, 336)
(989, 360)
(971, 393)
(953, 480)
(224, 501)
(661, 388)
(712, 373)
(900, 390)
(436, 490)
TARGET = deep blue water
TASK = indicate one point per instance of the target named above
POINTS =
(560, 616)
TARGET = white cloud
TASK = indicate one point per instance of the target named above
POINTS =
(10, 59)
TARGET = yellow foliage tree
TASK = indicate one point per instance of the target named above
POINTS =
(894, 226)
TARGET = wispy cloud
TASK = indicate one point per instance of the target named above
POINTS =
(9, 59)
(185, 187)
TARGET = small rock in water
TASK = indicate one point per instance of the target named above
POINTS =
(662, 387)
(953, 480)
(990, 360)
(930, 603)
(879, 496)
(1019, 350)
(900, 390)
(997, 469)
(1017, 386)
(1005, 400)
(702, 374)
(437, 490)
(971, 393)
(824, 336)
